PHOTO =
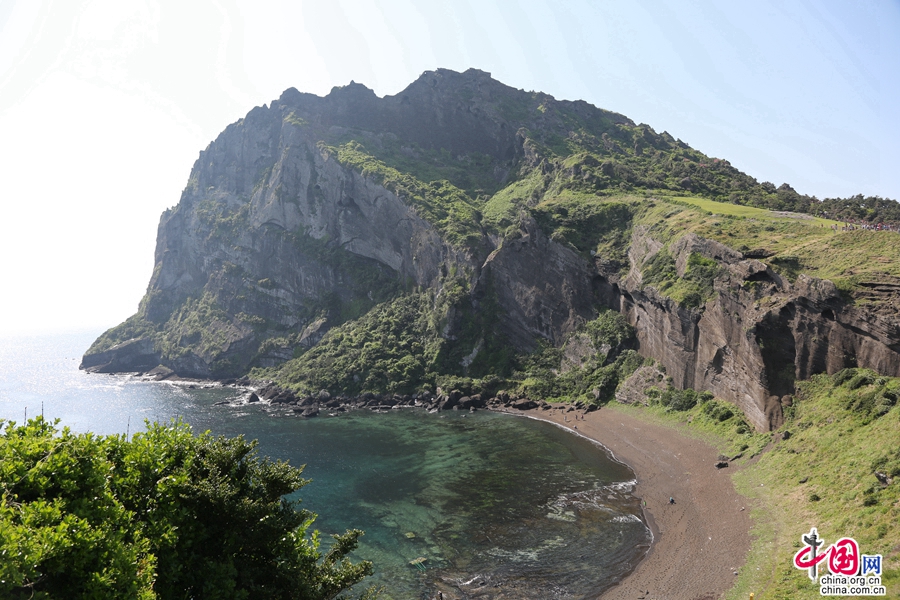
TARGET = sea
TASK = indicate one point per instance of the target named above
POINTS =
(476, 505)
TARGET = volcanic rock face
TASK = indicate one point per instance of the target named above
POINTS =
(543, 287)
(751, 342)
(276, 240)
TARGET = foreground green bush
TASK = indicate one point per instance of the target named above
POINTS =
(164, 515)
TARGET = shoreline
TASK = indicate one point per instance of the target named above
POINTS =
(700, 542)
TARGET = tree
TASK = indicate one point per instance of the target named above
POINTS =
(164, 515)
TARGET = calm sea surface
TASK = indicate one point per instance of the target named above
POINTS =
(498, 506)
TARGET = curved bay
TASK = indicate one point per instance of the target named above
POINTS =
(496, 505)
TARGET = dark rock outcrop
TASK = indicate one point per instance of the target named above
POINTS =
(133, 355)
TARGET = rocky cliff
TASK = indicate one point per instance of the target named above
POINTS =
(512, 218)
(757, 335)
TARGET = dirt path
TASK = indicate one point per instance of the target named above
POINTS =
(702, 539)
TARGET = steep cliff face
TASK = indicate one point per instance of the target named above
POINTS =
(758, 335)
(511, 216)
(543, 287)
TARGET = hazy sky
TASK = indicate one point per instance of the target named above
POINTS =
(105, 104)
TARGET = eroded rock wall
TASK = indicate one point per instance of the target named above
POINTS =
(758, 335)
(543, 288)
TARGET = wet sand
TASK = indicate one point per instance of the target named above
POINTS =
(702, 540)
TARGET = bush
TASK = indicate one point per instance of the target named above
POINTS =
(165, 514)
(610, 328)
(718, 411)
(679, 400)
(843, 376)
(859, 380)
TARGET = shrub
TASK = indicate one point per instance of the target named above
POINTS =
(859, 380)
(718, 411)
(610, 328)
(843, 376)
(679, 400)
(165, 514)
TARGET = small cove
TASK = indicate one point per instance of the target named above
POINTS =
(495, 504)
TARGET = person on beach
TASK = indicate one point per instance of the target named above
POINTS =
(671, 500)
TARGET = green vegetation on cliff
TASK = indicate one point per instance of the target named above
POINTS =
(692, 289)
(472, 172)
(393, 348)
(439, 202)
(589, 374)
(165, 514)
(588, 225)
(397, 348)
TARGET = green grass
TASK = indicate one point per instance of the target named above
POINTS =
(842, 429)
(502, 209)
(448, 208)
(796, 246)
(739, 210)
(838, 443)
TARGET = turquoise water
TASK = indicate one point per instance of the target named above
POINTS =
(498, 506)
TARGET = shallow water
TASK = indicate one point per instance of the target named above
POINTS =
(496, 505)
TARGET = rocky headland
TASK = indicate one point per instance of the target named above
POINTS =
(465, 235)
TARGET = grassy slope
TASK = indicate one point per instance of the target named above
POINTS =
(602, 224)
(798, 245)
(589, 219)
(739, 210)
(836, 444)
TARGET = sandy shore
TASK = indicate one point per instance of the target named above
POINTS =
(701, 540)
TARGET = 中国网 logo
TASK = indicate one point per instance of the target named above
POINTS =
(849, 572)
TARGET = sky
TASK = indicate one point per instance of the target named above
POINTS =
(106, 104)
